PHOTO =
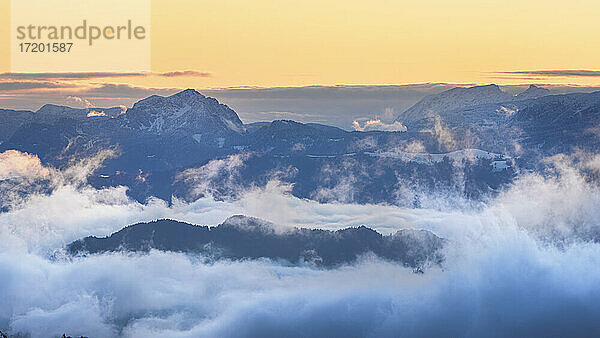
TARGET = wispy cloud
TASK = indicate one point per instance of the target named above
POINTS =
(32, 85)
(31, 95)
(496, 251)
(104, 90)
(377, 124)
(552, 73)
(110, 90)
(93, 75)
(187, 73)
(67, 76)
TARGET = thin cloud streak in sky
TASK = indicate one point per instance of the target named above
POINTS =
(190, 73)
(553, 73)
(33, 85)
(92, 75)
(73, 76)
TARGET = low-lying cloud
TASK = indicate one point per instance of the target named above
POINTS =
(15, 164)
(554, 73)
(520, 264)
(374, 125)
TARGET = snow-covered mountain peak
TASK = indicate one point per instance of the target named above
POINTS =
(188, 93)
(186, 111)
(533, 92)
(452, 99)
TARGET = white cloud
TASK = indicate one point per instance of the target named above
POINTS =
(202, 179)
(444, 135)
(373, 125)
(502, 266)
(94, 113)
(80, 101)
(14, 164)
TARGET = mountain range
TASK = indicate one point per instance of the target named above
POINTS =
(240, 237)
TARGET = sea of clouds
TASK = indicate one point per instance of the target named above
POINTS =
(521, 263)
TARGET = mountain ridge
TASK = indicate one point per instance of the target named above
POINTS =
(461, 98)
(240, 237)
(321, 162)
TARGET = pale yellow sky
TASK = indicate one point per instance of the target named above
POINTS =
(295, 43)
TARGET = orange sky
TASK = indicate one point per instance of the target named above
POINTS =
(295, 43)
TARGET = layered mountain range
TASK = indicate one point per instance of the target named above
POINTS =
(465, 139)
(529, 123)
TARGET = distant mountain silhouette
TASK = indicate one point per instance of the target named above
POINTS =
(241, 237)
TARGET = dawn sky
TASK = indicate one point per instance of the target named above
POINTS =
(296, 43)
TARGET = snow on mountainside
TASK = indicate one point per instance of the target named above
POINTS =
(455, 101)
(533, 92)
(187, 111)
(427, 158)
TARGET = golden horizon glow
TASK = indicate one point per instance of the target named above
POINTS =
(288, 43)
